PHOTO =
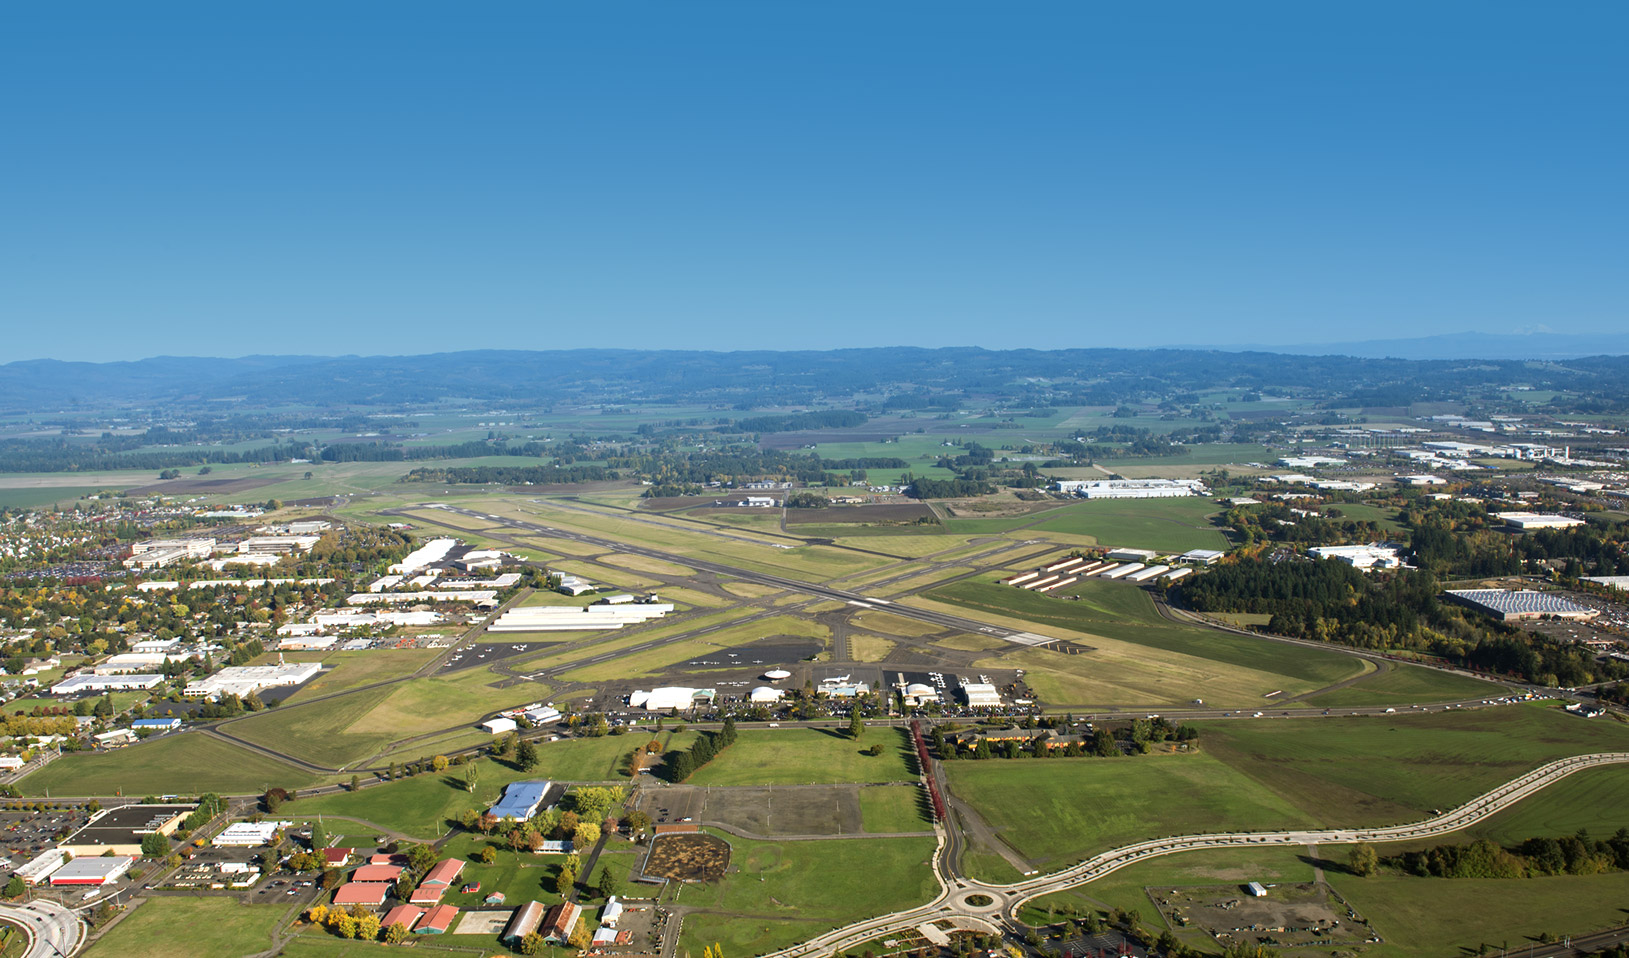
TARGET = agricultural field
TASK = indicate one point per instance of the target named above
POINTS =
(1076, 807)
(1387, 769)
(150, 768)
(809, 756)
(1407, 684)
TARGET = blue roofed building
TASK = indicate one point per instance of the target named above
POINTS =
(156, 724)
(521, 800)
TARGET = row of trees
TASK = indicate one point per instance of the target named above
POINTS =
(680, 764)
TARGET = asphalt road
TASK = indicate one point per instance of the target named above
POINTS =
(53, 931)
(1005, 900)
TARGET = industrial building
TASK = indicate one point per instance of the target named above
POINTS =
(476, 596)
(1201, 556)
(1131, 555)
(245, 680)
(521, 800)
(120, 829)
(77, 684)
(559, 922)
(1375, 555)
(40, 867)
(1131, 488)
(129, 662)
(1513, 606)
(1528, 521)
(424, 556)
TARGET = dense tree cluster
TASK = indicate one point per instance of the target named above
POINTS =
(1568, 855)
(680, 764)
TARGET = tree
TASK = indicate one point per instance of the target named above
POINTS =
(154, 845)
(367, 927)
(526, 755)
(565, 881)
(396, 933)
(1363, 860)
(488, 855)
(356, 783)
(439, 763)
(15, 887)
(319, 836)
(580, 937)
(637, 821)
(856, 724)
(472, 774)
(585, 836)
(608, 884)
(533, 944)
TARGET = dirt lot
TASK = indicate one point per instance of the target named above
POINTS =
(202, 487)
(887, 512)
(693, 857)
(783, 810)
(1288, 916)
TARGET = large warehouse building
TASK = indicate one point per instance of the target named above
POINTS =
(1513, 606)
(1131, 488)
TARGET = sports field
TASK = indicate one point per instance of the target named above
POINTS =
(191, 761)
(1386, 769)
(808, 756)
(1075, 807)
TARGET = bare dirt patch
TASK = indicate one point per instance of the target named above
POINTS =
(1287, 916)
(690, 858)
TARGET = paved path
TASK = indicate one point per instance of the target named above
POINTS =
(1005, 900)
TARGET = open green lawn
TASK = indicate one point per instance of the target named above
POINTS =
(806, 756)
(779, 893)
(187, 927)
(894, 808)
(1433, 917)
(1167, 525)
(1394, 768)
(187, 763)
(36, 496)
(1071, 808)
(1124, 888)
(1406, 685)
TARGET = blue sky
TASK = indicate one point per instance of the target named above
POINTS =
(401, 177)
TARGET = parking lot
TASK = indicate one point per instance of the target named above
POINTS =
(29, 833)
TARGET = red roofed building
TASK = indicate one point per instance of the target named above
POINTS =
(335, 857)
(437, 920)
(559, 922)
(405, 914)
(371, 894)
(427, 894)
(385, 873)
(383, 859)
(445, 872)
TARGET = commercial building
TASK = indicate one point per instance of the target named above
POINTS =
(1131, 488)
(1513, 606)
(244, 680)
(1421, 481)
(1614, 581)
(1131, 555)
(249, 834)
(92, 871)
(156, 724)
(1528, 521)
(120, 829)
(277, 545)
(40, 867)
(158, 553)
(1201, 556)
(79, 684)
(520, 800)
(500, 725)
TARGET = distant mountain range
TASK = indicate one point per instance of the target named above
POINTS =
(1510, 346)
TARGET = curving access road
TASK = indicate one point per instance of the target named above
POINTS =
(999, 904)
(53, 931)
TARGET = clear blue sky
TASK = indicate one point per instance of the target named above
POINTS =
(401, 177)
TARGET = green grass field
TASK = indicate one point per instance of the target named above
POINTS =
(1076, 807)
(1167, 525)
(1406, 685)
(1124, 888)
(187, 927)
(1395, 768)
(802, 756)
(33, 497)
(190, 762)
(894, 808)
(780, 893)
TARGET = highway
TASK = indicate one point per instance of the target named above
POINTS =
(1005, 900)
(53, 931)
